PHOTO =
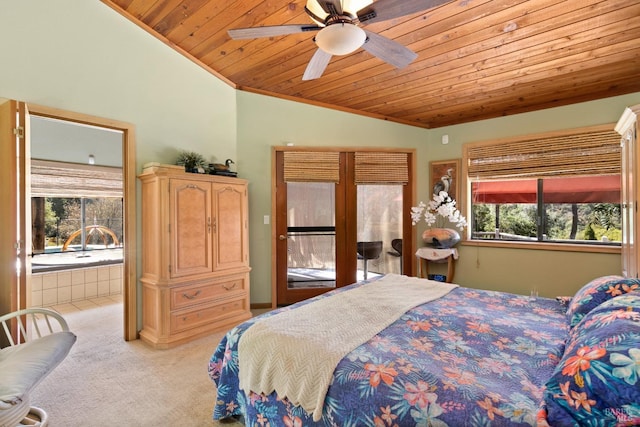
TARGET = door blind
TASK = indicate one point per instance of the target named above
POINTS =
(381, 168)
(311, 166)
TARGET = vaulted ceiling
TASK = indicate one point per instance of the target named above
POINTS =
(477, 59)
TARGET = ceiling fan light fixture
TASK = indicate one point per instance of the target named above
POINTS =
(341, 38)
(353, 6)
(349, 7)
(316, 10)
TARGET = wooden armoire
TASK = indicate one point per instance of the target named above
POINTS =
(195, 254)
(628, 128)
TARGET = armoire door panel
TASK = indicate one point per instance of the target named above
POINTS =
(191, 227)
(230, 226)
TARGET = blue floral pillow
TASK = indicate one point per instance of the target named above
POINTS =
(595, 293)
(597, 381)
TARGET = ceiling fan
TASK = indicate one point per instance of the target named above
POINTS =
(339, 31)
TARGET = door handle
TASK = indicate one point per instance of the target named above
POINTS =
(282, 237)
(192, 296)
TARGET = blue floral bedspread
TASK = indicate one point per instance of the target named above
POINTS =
(472, 358)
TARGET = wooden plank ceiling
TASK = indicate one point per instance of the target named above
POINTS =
(477, 59)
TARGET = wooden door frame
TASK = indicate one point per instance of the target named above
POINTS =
(129, 280)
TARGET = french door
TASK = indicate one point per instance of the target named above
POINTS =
(331, 231)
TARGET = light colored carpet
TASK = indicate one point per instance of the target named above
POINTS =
(105, 381)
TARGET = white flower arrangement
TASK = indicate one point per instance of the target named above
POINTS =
(441, 207)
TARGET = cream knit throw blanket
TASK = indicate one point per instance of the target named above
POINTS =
(294, 353)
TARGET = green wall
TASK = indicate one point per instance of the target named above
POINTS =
(82, 56)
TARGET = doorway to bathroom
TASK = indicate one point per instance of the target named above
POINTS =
(16, 227)
(76, 213)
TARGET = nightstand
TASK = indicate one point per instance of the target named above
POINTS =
(426, 255)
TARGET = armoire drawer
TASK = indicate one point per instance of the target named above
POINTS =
(187, 296)
(181, 321)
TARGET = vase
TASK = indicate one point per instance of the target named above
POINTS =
(441, 238)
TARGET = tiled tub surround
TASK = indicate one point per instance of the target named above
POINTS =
(77, 284)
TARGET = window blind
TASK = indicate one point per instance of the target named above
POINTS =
(381, 168)
(60, 179)
(311, 166)
(581, 153)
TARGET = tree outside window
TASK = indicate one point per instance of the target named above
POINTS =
(592, 217)
(64, 217)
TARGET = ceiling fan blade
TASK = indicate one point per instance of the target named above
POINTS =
(270, 31)
(388, 50)
(382, 10)
(317, 65)
(332, 7)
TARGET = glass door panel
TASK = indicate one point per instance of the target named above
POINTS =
(311, 235)
(379, 230)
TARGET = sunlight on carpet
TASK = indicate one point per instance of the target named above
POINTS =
(106, 381)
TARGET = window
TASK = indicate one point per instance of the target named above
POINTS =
(75, 208)
(65, 219)
(563, 188)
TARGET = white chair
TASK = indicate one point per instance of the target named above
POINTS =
(27, 361)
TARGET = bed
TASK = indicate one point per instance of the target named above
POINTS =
(470, 357)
